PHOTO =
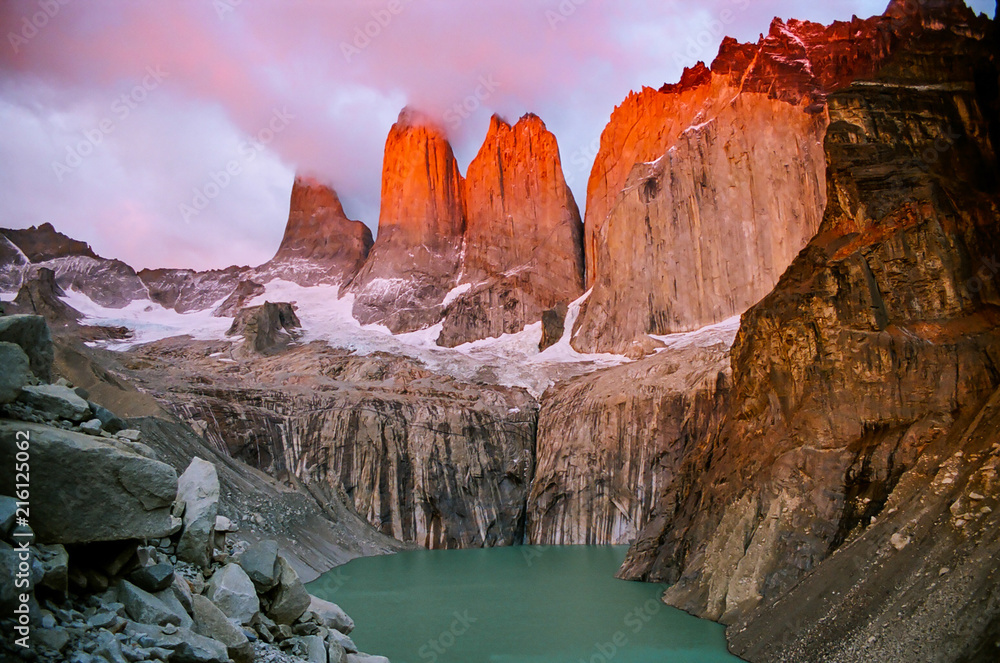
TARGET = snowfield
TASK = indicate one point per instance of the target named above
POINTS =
(511, 360)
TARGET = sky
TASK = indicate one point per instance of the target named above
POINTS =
(168, 133)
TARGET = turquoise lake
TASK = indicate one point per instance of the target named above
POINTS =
(537, 604)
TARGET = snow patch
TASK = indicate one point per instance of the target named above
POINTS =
(720, 333)
(455, 293)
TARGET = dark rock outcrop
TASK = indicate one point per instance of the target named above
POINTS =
(268, 328)
(523, 236)
(244, 293)
(41, 295)
(44, 242)
(416, 258)
(854, 473)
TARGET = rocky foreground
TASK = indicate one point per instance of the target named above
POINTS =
(122, 559)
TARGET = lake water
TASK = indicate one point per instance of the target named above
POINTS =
(537, 604)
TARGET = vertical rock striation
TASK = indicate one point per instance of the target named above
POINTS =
(523, 237)
(854, 459)
(681, 172)
(417, 255)
(610, 444)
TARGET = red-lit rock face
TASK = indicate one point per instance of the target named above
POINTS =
(741, 148)
(523, 238)
(319, 232)
(416, 256)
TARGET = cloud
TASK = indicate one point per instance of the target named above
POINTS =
(339, 70)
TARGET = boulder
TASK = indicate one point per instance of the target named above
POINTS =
(185, 645)
(170, 600)
(315, 649)
(366, 658)
(92, 427)
(15, 372)
(73, 472)
(8, 568)
(211, 622)
(331, 615)
(109, 420)
(335, 653)
(342, 641)
(33, 335)
(290, 598)
(144, 607)
(8, 511)
(154, 578)
(57, 401)
(233, 592)
(260, 561)
(198, 487)
(55, 568)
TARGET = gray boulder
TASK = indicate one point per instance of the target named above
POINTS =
(73, 472)
(232, 591)
(342, 641)
(154, 578)
(8, 569)
(8, 512)
(92, 427)
(335, 653)
(211, 622)
(33, 335)
(290, 598)
(330, 615)
(185, 645)
(109, 420)
(175, 606)
(144, 607)
(15, 372)
(260, 561)
(198, 487)
(57, 401)
(55, 567)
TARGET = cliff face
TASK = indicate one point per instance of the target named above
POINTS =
(610, 444)
(680, 173)
(416, 258)
(523, 237)
(863, 389)
(423, 458)
(320, 245)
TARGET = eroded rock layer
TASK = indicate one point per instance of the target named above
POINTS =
(611, 443)
(423, 458)
(523, 237)
(729, 157)
(863, 389)
(416, 258)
